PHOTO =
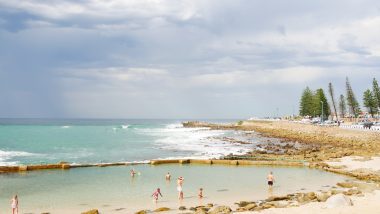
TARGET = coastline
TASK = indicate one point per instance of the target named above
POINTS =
(313, 147)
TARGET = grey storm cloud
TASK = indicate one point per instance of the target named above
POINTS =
(180, 59)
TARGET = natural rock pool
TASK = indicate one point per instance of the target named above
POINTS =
(112, 190)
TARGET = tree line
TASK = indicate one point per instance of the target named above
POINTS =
(315, 103)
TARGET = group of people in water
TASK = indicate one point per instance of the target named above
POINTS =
(157, 193)
(180, 180)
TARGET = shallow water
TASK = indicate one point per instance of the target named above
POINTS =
(112, 188)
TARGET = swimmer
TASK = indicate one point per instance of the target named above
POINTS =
(133, 173)
(14, 205)
(200, 193)
(270, 179)
(179, 187)
(156, 194)
(168, 176)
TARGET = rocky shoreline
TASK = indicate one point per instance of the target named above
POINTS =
(295, 145)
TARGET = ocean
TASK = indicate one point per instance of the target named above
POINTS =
(36, 141)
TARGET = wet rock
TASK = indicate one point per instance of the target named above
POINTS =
(142, 212)
(200, 212)
(220, 210)
(94, 211)
(338, 200)
(182, 208)
(345, 184)
(192, 208)
(209, 205)
(203, 208)
(250, 207)
(268, 205)
(277, 198)
(243, 203)
(161, 209)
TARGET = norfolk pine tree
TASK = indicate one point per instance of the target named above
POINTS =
(331, 92)
(342, 106)
(370, 102)
(351, 100)
(306, 103)
(376, 92)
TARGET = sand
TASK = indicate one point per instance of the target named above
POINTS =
(354, 162)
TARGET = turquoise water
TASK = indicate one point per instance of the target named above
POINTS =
(111, 188)
(25, 141)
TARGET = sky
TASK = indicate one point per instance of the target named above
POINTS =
(181, 59)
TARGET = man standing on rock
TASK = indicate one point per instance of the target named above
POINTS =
(270, 179)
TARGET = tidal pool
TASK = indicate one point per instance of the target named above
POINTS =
(112, 190)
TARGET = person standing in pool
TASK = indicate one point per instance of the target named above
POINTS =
(156, 194)
(270, 179)
(168, 176)
(133, 173)
(179, 188)
(200, 193)
(14, 205)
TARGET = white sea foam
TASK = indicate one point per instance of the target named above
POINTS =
(124, 126)
(65, 127)
(197, 142)
(5, 156)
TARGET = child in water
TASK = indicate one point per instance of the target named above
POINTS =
(156, 194)
(133, 173)
(168, 176)
(200, 193)
(14, 205)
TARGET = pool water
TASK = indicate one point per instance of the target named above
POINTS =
(112, 190)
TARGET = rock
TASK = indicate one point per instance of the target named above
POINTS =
(161, 209)
(243, 203)
(200, 211)
(366, 187)
(294, 204)
(322, 197)
(311, 196)
(280, 204)
(220, 210)
(338, 200)
(277, 198)
(249, 207)
(209, 205)
(94, 211)
(182, 208)
(345, 184)
(335, 191)
(141, 212)
(352, 192)
(192, 208)
(268, 205)
(240, 209)
(203, 208)
(302, 198)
